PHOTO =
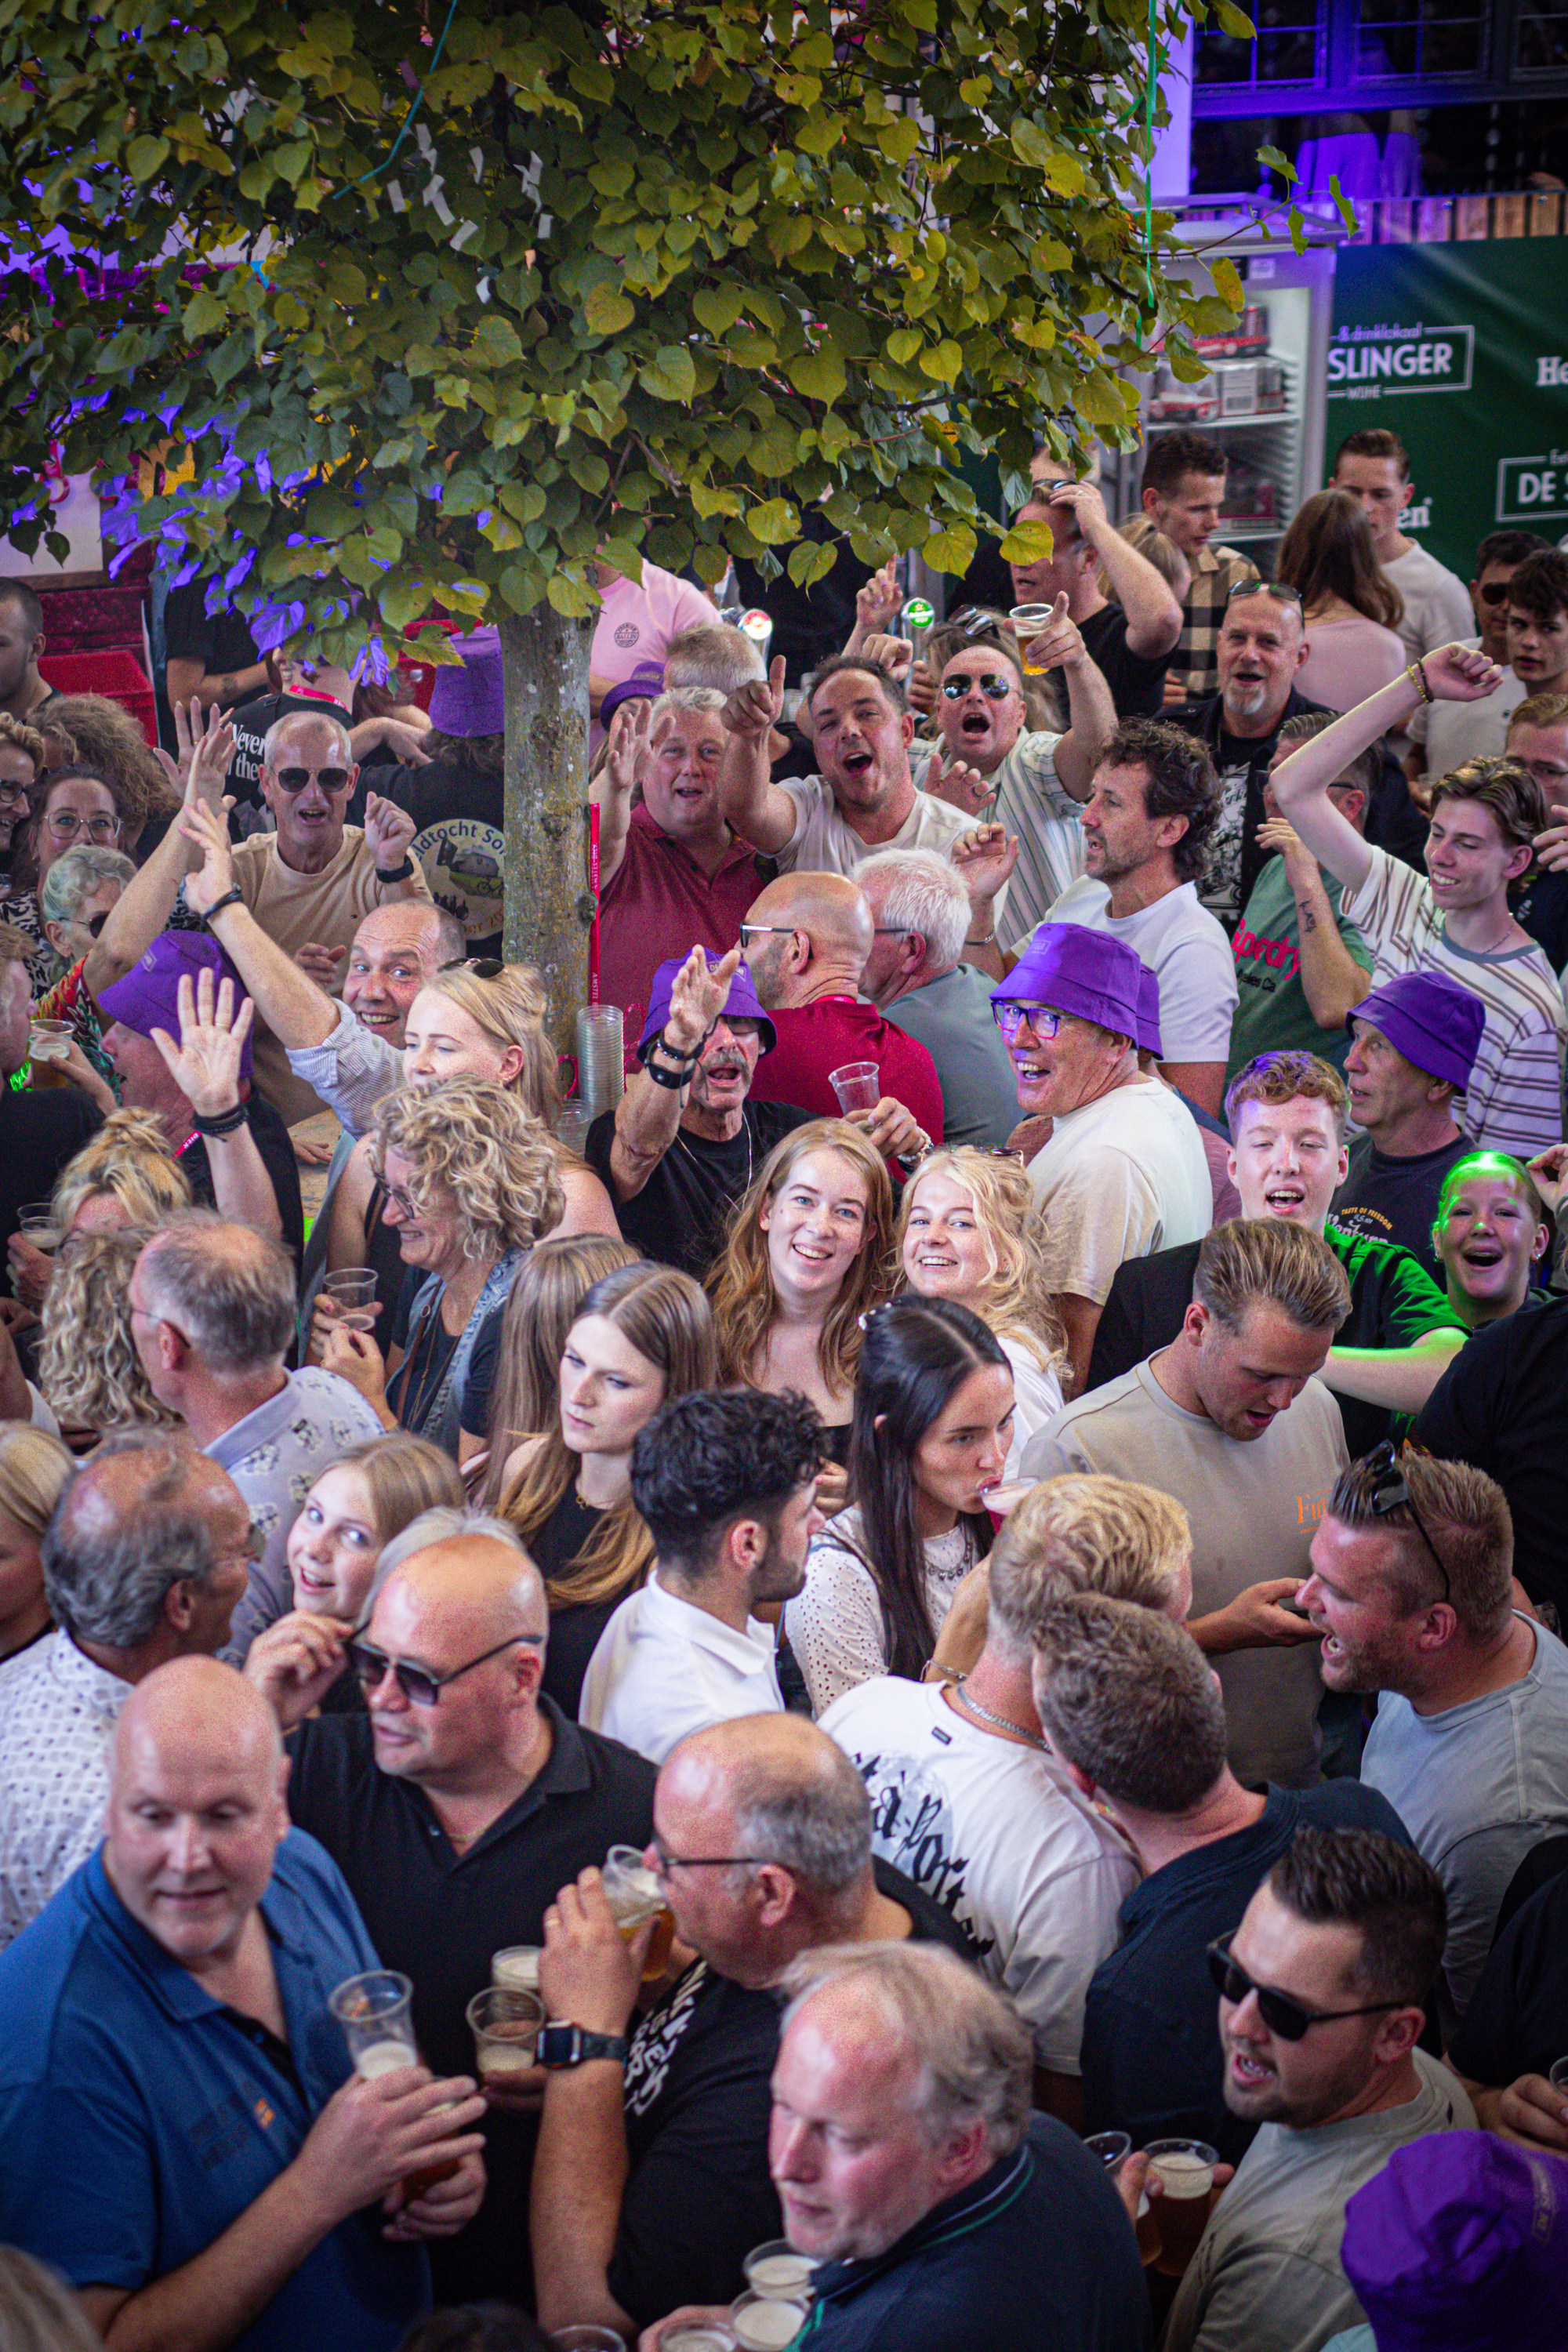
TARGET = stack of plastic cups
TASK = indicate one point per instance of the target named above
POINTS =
(601, 1065)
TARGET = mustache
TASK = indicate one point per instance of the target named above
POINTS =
(718, 1063)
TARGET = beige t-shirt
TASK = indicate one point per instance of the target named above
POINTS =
(1119, 1179)
(292, 909)
(1255, 1505)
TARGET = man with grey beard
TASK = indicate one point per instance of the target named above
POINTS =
(683, 1143)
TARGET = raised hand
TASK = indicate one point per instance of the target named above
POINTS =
(213, 879)
(1059, 645)
(627, 740)
(1086, 502)
(921, 688)
(878, 601)
(205, 1065)
(389, 832)
(1274, 833)
(984, 860)
(319, 962)
(697, 998)
(1549, 1171)
(895, 654)
(891, 1130)
(960, 785)
(205, 751)
(1460, 674)
(753, 710)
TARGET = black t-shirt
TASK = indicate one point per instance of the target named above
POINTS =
(575, 1629)
(1137, 683)
(1517, 2022)
(221, 642)
(1396, 1199)
(417, 1378)
(40, 1131)
(679, 1215)
(1152, 2059)
(1392, 1304)
(699, 2196)
(1502, 1404)
(277, 1158)
(808, 623)
(459, 840)
(439, 1915)
(1540, 906)
(1035, 2256)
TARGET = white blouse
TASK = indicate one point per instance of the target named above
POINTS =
(834, 1624)
(1036, 1399)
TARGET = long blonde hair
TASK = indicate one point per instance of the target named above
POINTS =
(742, 1283)
(101, 1385)
(1017, 1302)
(128, 1160)
(542, 1306)
(664, 1316)
(34, 1467)
(512, 1008)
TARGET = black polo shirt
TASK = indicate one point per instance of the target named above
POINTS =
(1137, 681)
(1394, 1303)
(439, 1915)
(1517, 2022)
(682, 1213)
(1502, 1405)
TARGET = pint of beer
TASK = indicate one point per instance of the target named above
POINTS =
(634, 1897)
(1184, 2171)
(375, 2011)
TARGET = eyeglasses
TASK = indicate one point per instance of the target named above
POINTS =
(12, 794)
(95, 924)
(482, 967)
(65, 825)
(417, 1684)
(665, 1862)
(1389, 1492)
(890, 932)
(294, 780)
(1275, 588)
(400, 1200)
(994, 686)
(750, 931)
(1010, 1016)
(1281, 2012)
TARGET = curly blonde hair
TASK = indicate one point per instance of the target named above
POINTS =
(127, 1160)
(742, 1282)
(476, 1143)
(26, 738)
(103, 1386)
(105, 737)
(1017, 1302)
(511, 1009)
(33, 1468)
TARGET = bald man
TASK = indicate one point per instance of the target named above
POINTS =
(185, 2138)
(806, 940)
(455, 1805)
(651, 2180)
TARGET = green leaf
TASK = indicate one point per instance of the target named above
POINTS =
(293, 160)
(404, 601)
(1030, 143)
(1346, 209)
(951, 549)
(1102, 401)
(669, 374)
(774, 523)
(818, 374)
(1227, 283)
(203, 314)
(809, 562)
(1028, 541)
(144, 156)
(608, 310)
(570, 597)
(1277, 163)
(1235, 23)
(716, 308)
(898, 137)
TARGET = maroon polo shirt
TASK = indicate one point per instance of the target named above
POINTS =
(817, 1038)
(661, 904)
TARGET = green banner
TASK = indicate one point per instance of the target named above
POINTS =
(1462, 350)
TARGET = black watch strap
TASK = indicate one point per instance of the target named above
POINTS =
(235, 897)
(398, 873)
(562, 2044)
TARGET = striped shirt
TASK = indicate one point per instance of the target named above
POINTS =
(1514, 1100)
(1195, 662)
(1031, 801)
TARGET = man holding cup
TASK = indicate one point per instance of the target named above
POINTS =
(185, 2137)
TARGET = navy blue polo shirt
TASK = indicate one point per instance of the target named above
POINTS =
(140, 2118)
(1038, 2255)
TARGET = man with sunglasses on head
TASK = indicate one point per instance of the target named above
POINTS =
(1412, 1591)
(1323, 1991)
(312, 883)
(651, 2182)
(455, 1801)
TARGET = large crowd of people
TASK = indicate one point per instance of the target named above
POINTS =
(909, 1690)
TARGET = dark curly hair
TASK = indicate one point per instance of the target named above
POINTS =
(1180, 780)
(706, 1460)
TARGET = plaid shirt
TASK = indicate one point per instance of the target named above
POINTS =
(1195, 662)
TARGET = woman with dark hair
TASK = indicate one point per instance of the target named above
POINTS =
(933, 1421)
(1349, 606)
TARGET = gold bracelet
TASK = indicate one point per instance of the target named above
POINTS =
(1418, 676)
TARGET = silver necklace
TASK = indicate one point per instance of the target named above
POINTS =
(1001, 1722)
(696, 1163)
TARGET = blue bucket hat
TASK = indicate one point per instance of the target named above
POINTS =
(740, 1005)
(1075, 970)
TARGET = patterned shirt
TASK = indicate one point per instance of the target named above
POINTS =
(1194, 664)
(57, 1712)
(1029, 799)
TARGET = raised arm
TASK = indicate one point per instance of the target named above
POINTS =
(648, 1114)
(612, 791)
(1153, 615)
(1332, 979)
(144, 906)
(1091, 714)
(205, 1066)
(297, 1012)
(1300, 783)
(753, 803)
(877, 604)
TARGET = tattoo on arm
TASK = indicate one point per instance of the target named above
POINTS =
(226, 689)
(1308, 915)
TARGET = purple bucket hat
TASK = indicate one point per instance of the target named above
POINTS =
(470, 700)
(1460, 2244)
(148, 997)
(740, 1005)
(1075, 970)
(1428, 1018)
(1148, 1013)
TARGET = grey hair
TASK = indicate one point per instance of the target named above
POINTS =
(816, 1823)
(444, 1523)
(326, 716)
(974, 2054)
(712, 654)
(75, 876)
(112, 1588)
(922, 893)
(229, 1288)
(705, 701)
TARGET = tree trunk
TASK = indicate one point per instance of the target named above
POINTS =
(549, 906)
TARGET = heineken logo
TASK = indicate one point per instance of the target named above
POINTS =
(1365, 362)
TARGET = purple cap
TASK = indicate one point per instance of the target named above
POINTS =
(1149, 1013)
(1428, 1018)
(1075, 970)
(646, 684)
(740, 1005)
(148, 997)
(1460, 2244)
(471, 700)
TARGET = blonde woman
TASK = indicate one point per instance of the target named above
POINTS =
(122, 1176)
(471, 1184)
(541, 1308)
(969, 1230)
(806, 1258)
(33, 1468)
(89, 1367)
(643, 1334)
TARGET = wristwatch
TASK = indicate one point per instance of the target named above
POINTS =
(235, 897)
(562, 2044)
(398, 873)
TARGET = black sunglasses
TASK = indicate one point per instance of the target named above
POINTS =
(994, 686)
(1495, 591)
(482, 967)
(417, 1684)
(1389, 1492)
(294, 780)
(1281, 2012)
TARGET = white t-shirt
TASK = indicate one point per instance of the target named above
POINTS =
(1514, 1100)
(1034, 806)
(1187, 950)
(996, 1836)
(1036, 1397)
(822, 843)
(1453, 732)
(835, 1625)
(1437, 607)
(662, 1668)
(1119, 1179)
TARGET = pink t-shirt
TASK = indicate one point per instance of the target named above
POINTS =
(1347, 660)
(636, 624)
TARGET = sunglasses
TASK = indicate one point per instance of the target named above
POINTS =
(974, 620)
(482, 967)
(750, 931)
(1010, 1016)
(994, 686)
(417, 1684)
(1281, 2012)
(294, 780)
(1389, 1492)
(1494, 592)
(1275, 588)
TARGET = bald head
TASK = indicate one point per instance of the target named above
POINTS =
(475, 1581)
(792, 1796)
(197, 1709)
(469, 1611)
(819, 933)
(396, 949)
